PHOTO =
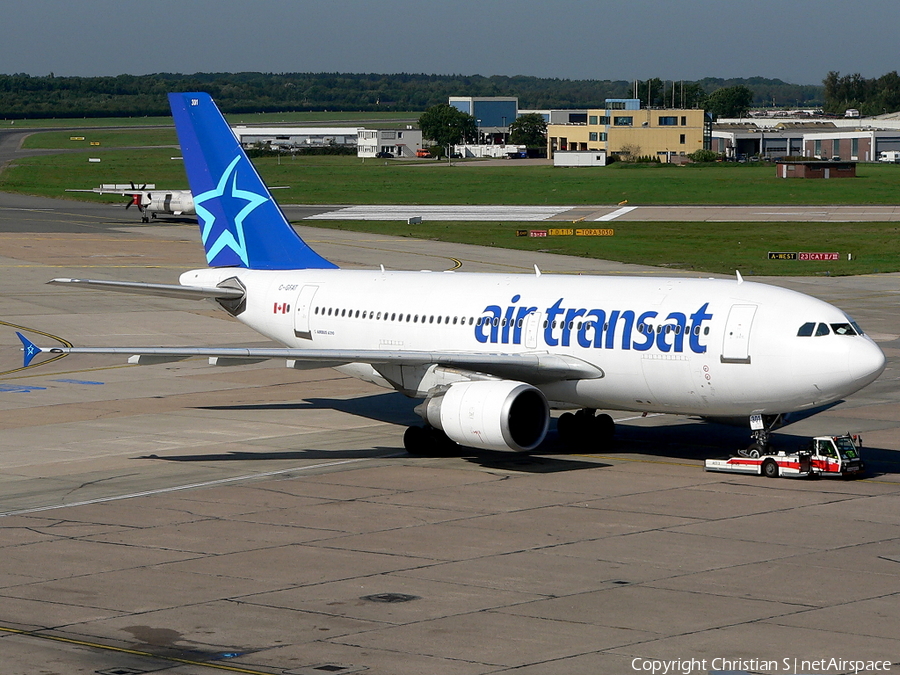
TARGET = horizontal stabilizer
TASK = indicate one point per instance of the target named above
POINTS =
(31, 350)
(161, 290)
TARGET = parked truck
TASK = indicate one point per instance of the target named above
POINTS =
(837, 456)
(889, 156)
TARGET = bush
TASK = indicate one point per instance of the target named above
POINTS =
(704, 156)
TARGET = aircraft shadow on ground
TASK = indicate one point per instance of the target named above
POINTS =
(693, 440)
(165, 220)
(269, 455)
(505, 461)
(389, 407)
(524, 462)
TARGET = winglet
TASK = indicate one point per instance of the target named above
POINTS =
(31, 350)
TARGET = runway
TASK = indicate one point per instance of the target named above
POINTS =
(711, 214)
(256, 519)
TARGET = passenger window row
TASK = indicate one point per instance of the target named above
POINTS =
(392, 316)
(488, 320)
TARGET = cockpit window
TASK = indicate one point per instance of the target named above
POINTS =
(859, 331)
(822, 329)
(806, 329)
(843, 329)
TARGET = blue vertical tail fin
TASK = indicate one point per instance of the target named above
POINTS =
(240, 223)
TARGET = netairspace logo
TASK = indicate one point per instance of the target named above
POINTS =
(794, 666)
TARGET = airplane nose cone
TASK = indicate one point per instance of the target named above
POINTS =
(867, 362)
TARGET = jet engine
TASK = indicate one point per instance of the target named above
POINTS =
(489, 414)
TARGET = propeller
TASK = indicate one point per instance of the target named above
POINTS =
(136, 198)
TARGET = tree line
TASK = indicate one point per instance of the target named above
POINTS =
(870, 96)
(26, 96)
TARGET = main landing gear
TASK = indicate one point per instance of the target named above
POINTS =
(426, 441)
(585, 429)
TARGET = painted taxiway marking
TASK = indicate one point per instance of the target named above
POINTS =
(615, 214)
(14, 208)
(192, 486)
(131, 652)
(65, 343)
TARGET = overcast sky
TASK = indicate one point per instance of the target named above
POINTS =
(798, 41)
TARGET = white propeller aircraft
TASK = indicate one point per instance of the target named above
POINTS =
(492, 354)
(150, 202)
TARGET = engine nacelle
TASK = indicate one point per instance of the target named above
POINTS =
(491, 414)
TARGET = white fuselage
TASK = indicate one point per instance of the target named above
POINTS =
(708, 347)
(168, 202)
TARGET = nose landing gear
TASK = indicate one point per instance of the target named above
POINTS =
(761, 427)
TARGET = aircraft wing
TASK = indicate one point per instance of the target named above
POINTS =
(164, 290)
(533, 368)
(124, 193)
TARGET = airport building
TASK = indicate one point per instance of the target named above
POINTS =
(863, 145)
(288, 138)
(741, 140)
(567, 116)
(810, 139)
(368, 142)
(396, 142)
(624, 128)
(493, 114)
(579, 158)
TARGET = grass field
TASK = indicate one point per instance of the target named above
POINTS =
(107, 138)
(710, 247)
(703, 247)
(50, 175)
(350, 180)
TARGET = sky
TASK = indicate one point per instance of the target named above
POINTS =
(798, 41)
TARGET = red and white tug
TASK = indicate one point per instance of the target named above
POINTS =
(825, 456)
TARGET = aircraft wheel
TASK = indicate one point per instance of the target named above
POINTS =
(604, 428)
(565, 426)
(440, 444)
(770, 469)
(428, 442)
(414, 440)
(755, 450)
(583, 430)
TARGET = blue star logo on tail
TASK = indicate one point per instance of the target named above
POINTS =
(31, 350)
(223, 236)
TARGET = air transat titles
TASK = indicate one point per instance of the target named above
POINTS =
(596, 328)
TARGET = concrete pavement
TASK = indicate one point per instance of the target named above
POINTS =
(261, 520)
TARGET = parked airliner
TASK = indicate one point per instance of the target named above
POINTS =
(492, 354)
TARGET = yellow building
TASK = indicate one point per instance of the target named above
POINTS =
(626, 129)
